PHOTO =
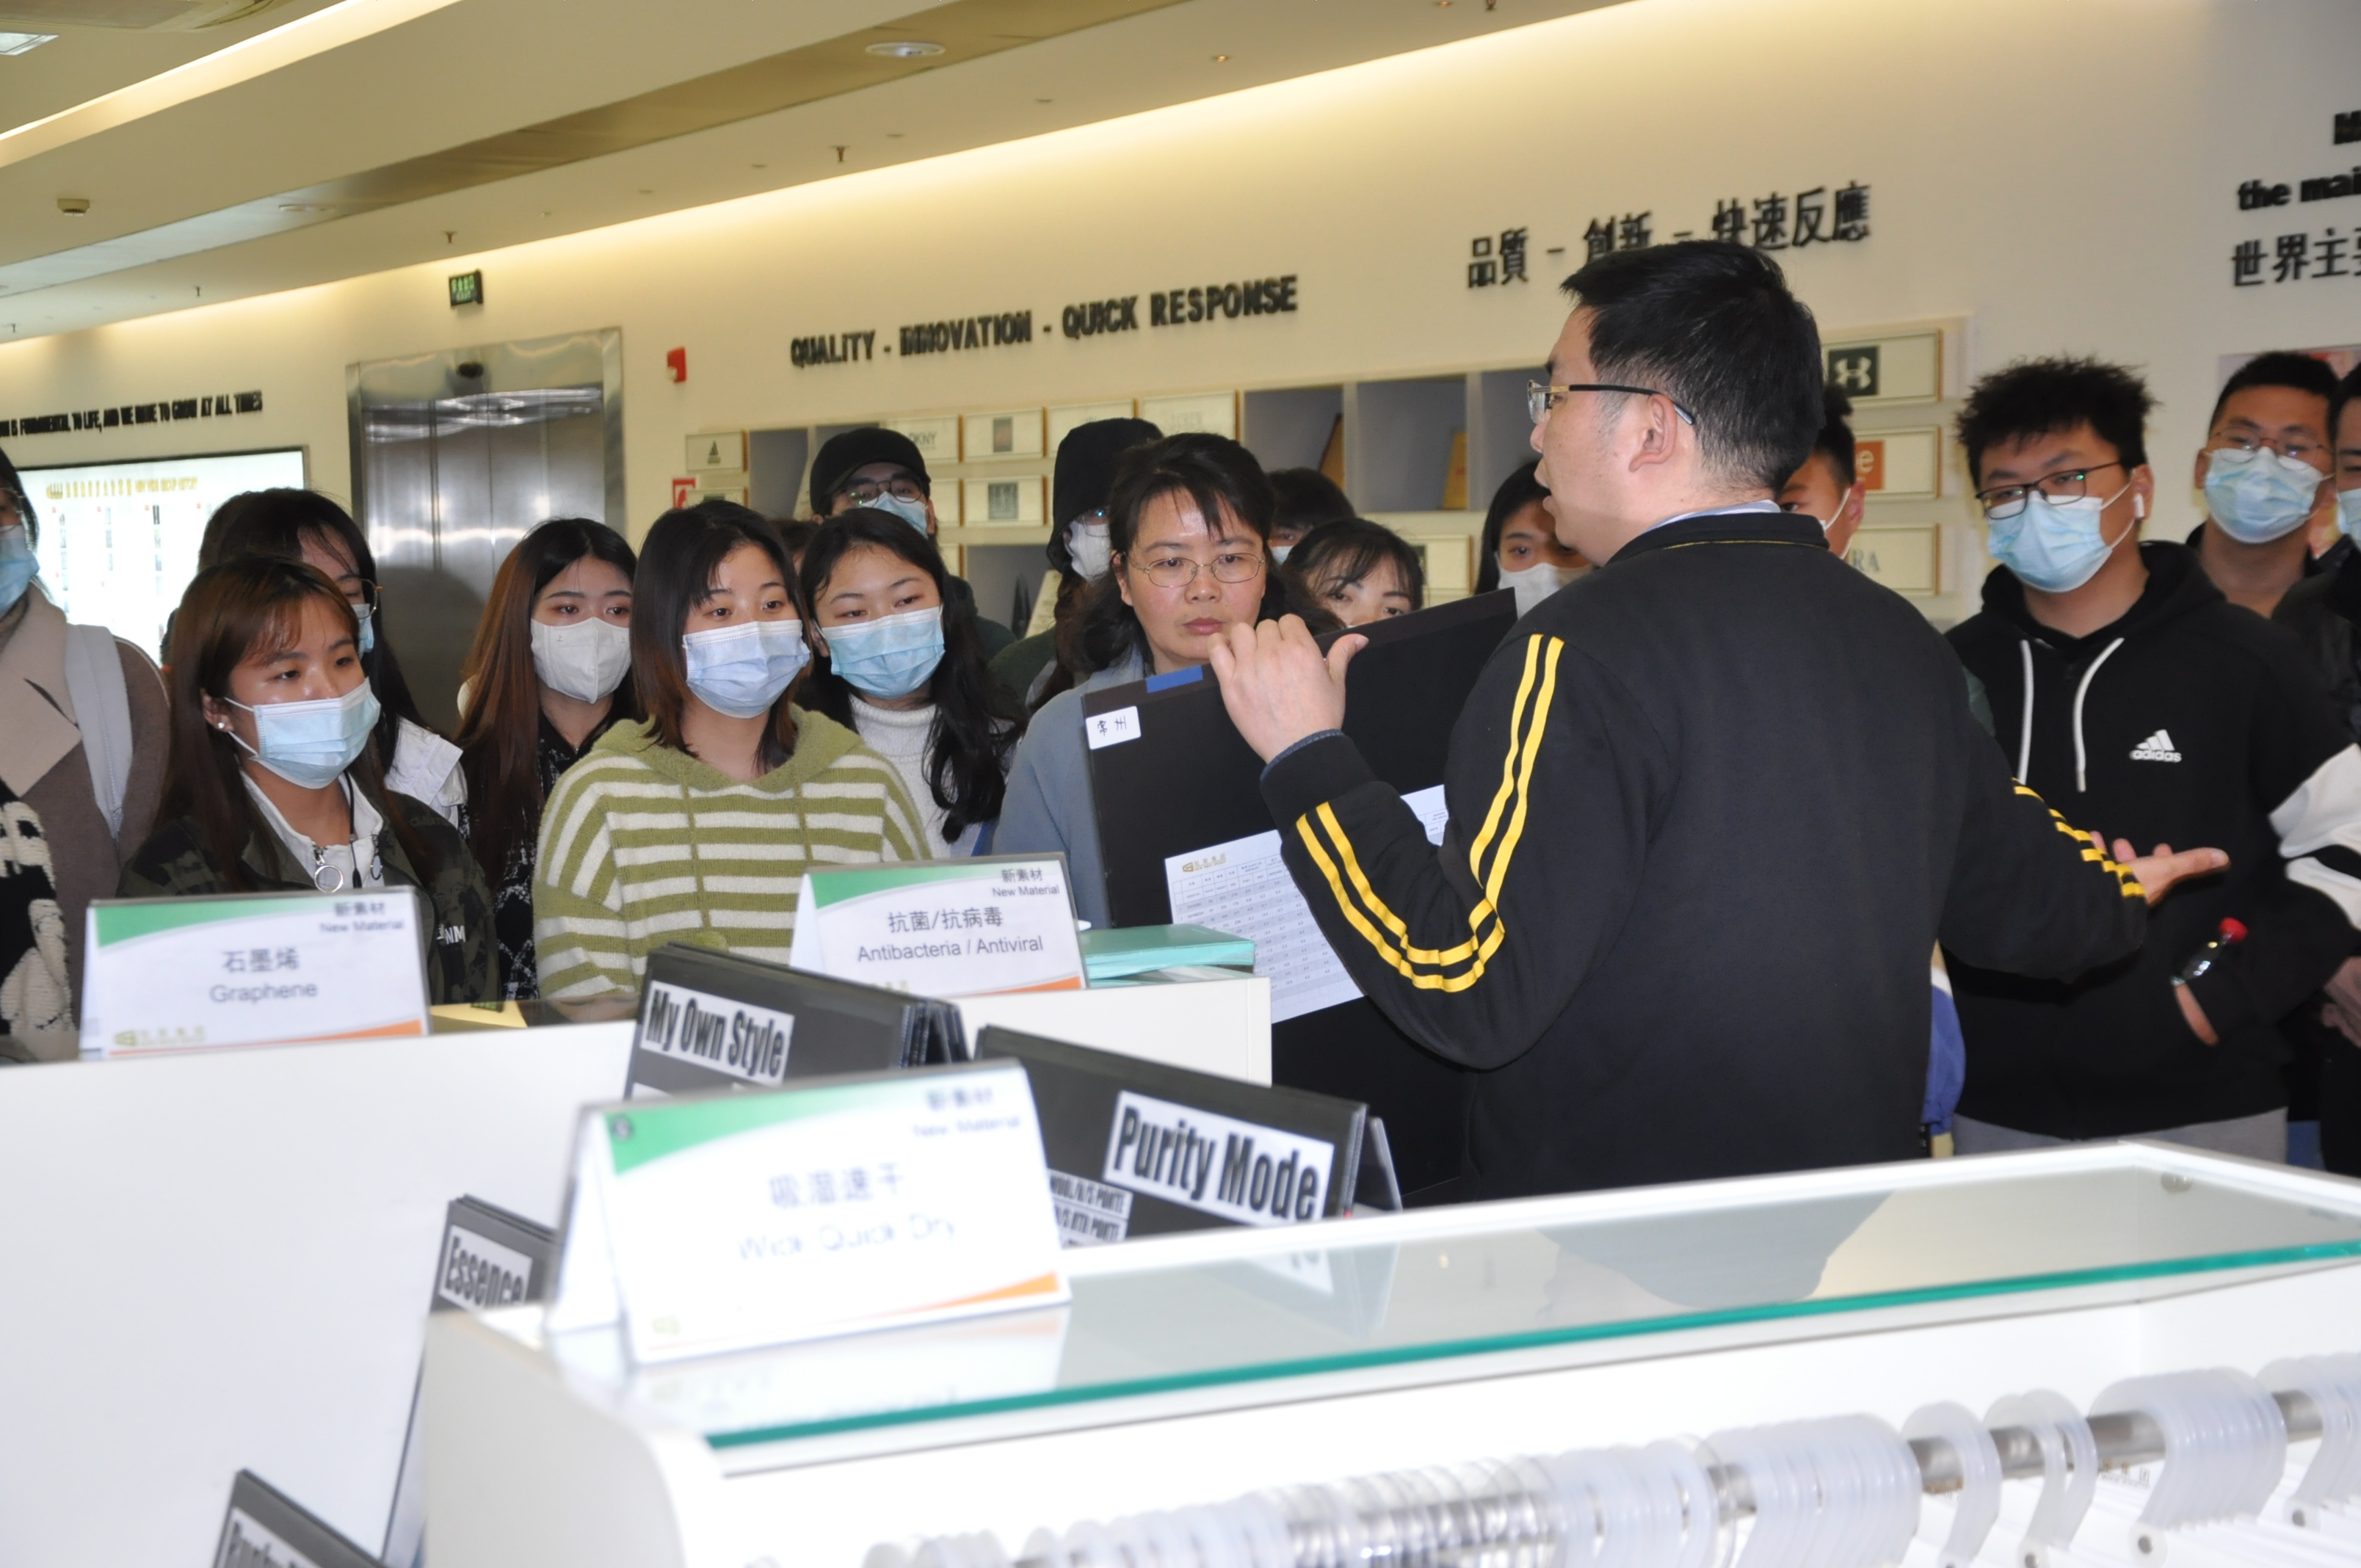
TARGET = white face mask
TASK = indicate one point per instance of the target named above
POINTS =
(1087, 543)
(586, 661)
(1280, 552)
(1537, 582)
(2348, 511)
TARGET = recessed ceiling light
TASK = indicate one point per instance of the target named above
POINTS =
(907, 48)
(1220, 59)
(892, 136)
(25, 43)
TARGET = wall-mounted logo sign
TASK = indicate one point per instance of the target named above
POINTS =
(1777, 222)
(832, 349)
(223, 405)
(1181, 307)
(468, 289)
(2334, 252)
(1505, 265)
(969, 332)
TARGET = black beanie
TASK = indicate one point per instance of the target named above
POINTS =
(1086, 460)
(846, 453)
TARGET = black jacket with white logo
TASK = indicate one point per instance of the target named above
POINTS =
(2190, 722)
(1710, 806)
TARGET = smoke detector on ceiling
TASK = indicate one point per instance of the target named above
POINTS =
(906, 49)
(73, 206)
(153, 16)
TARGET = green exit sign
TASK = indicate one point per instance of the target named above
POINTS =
(468, 289)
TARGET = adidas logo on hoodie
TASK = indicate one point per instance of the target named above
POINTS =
(2157, 748)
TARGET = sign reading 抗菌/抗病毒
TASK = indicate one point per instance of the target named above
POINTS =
(942, 927)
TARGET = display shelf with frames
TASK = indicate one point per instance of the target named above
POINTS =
(1194, 1368)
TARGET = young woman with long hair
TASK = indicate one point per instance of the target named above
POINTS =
(1188, 531)
(550, 670)
(306, 526)
(901, 667)
(273, 784)
(697, 823)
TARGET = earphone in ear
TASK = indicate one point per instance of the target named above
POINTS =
(2139, 509)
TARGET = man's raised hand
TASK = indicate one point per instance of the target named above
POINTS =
(1277, 685)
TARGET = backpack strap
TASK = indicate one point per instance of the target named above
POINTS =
(102, 705)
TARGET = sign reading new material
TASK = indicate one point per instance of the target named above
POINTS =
(732, 1220)
(254, 969)
(942, 927)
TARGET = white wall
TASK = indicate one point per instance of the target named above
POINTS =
(2061, 171)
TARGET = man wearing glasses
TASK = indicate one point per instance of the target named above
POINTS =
(883, 469)
(1710, 804)
(2138, 701)
(2264, 470)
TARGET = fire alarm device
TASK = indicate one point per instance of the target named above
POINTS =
(676, 364)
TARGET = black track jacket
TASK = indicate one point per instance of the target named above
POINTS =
(1711, 808)
(2191, 722)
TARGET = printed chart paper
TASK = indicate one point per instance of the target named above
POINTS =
(1242, 887)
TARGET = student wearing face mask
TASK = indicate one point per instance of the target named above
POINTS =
(83, 733)
(1306, 498)
(550, 672)
(1077, 549)
(2262, 477)
(1188, 521)
(274, 785)
(306, 526)
(1520, 549)
(697, 824)
(881, 468)
(2132, 695)
(902, 668)
(1825, 488)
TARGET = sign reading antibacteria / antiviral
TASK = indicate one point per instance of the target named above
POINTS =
(254, 969)
(942, 927)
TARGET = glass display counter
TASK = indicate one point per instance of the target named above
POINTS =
(1194, 1367)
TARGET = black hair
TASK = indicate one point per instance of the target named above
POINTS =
(2346, 390)
(1518, 491)
(1713, 326)
(276, 522)
(1306, 498)
(1349, 549)
(682, 551)
(1836, 437)
(2279, 369)
(1222, 479)
(2044, 397)
(974, 734)
(795, 533)
(12, 485)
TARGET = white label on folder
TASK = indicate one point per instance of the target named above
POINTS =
(478, 1272)
(1246, 1173)
(963, 928)
(749, 1219)
(168, 974)
(1111, 729)
(735, 1038)
(247, 1544)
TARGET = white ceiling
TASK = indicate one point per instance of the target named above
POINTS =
(187, 177)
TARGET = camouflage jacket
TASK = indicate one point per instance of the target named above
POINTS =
(462, 964)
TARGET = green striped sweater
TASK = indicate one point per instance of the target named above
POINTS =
(643, 845)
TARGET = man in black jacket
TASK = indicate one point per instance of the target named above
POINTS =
(1709, 805)
(2129, 691)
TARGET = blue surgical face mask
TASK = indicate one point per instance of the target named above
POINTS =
(913, 512)
(2348, 511)
(19, 565)
(366, 615)
(892, 656)
(311, 743)
(741, 671)
(2055, 546)
(2258, 496)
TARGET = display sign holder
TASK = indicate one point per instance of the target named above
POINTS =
(720, 1223)
(1137, 1148)
(713, 1020)
(968, 926)
(1183, 779)
(265, 1526)
(252, 969)
(488, 1257)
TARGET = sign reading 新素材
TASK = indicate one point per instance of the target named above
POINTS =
(254, 969)
(726, 1222)
(942, 927)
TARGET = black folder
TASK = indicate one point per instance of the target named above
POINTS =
(713, 1020)
(263, 1524)
(1190, 781)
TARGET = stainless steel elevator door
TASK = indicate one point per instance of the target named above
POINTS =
(451, 484)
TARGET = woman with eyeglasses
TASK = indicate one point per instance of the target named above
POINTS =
(697, 824)
(1188, 536)
(274, 786)
(306, 526)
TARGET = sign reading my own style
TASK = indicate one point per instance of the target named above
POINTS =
(942, 927)
(732, 1221)
(255, 968)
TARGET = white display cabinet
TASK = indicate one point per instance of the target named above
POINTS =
(1192, 1369)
